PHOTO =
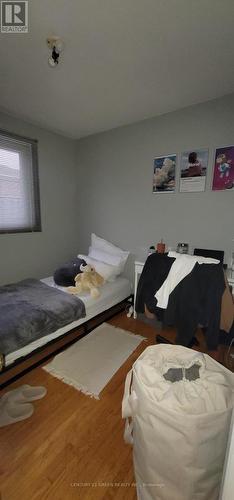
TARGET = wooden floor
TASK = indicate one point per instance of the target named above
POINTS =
(72, 447)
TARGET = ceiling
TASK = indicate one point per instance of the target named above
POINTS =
(124, 61)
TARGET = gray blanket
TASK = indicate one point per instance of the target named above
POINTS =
(30, 309)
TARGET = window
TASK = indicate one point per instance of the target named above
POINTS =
(19, 185)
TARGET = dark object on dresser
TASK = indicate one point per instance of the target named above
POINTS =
(212, 254)
(65, 275)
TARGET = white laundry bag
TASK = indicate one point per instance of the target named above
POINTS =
(177, 405)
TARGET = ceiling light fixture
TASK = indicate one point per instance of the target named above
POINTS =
(56, 46)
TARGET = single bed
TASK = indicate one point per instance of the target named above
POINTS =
(112, 294)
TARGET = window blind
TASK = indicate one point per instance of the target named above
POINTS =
(19, 184)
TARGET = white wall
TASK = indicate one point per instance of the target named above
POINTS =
(38, 254)
(116, 168)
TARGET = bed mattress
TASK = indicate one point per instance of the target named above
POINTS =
(111, 294)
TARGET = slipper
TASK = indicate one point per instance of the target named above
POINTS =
(24, 394)
(11, 413)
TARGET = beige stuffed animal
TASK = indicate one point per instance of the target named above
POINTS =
(87, 281)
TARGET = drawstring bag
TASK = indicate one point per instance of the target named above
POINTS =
(178, 406)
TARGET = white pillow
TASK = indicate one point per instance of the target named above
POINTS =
(107, 247)
(108, 272)
(108, 258)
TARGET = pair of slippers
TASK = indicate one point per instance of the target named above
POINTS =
(16, 405)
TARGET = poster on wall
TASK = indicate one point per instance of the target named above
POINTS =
(223, 175)
(193, 169)
(164, 174)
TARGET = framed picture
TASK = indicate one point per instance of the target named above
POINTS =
(164, 174)
(223, 173)
(193, 170)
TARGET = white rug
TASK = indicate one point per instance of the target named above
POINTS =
(90, 363)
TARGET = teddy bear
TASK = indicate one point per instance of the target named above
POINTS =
(87, 281)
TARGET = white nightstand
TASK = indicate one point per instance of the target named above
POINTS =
(138, 270)
(230, 278)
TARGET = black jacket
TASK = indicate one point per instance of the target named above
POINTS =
(154, 273)
(195, 300)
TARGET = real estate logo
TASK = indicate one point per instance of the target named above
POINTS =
(14, 17)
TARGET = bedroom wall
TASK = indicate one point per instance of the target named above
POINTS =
(38, 254)
(117, 169)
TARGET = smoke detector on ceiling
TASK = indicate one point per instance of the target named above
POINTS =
(56, 46)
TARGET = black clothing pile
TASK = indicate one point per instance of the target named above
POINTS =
(195, 301)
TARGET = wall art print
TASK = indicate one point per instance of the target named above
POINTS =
(164, 174)
(223, 173)
(193, 169)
